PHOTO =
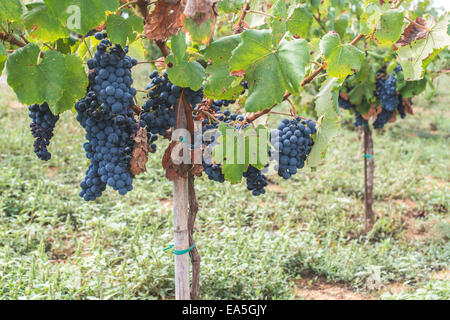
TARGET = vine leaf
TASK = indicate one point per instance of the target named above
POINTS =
(121, 29)
(326, 109)
(219, 83)
(56, 79)
(341, 59)
(230, 6)
(340, 25)
(199, 10)
(35, 82)
(270, 70)
(81, 15)
(237, 149)
(3, 56)
(390, 26)
(164, 21)
(412, 56)
(75, 83)
(10, 10)
(278, 23)
(300, 21)
(201, 33)
(43, 24)
(183, 73)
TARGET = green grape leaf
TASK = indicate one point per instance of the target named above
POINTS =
(372, 12)
(237, 149)
(182, 72)
(340, 25)
(300, 21)
(326, 109)
(390, 26)
(412, 56)
(3, 56)
(270, 70)
(81, 16)
(219, 84)
(43, 24)
(341, 59)
(10, 10)
(63, 46)
(121, 29)
(278, 23)
(230, 6)
(75, 83)
(201, 33)
(35, 82)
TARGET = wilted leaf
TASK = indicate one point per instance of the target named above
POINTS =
(164, 21)
(413, 32)
(140, 152)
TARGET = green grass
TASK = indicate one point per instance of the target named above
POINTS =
(53, 245)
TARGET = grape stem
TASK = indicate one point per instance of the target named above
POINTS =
(127, 4)
(238, 25)
(260, 12)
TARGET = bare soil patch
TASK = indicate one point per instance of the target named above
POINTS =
(309, 289)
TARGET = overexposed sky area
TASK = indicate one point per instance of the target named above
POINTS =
(442, 3)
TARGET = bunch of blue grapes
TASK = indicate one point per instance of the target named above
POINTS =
(42, 126)
(109, 131)
(158, 113)
(112, 77)
(293, 143)
(386, 92)
(256, 181)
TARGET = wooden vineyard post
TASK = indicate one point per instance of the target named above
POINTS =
(368, 178)
(180, 223)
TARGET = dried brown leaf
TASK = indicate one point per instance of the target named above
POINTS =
(394, 117)
(407, 104)
(165, 20)
(414, 32)
(373, 112)
(140, 152)
(200, 10)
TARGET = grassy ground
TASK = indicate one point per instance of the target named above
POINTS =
(304, 236)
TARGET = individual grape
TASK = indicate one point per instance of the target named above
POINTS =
(42, 126)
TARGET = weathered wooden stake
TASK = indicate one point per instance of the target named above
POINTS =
(368, 178)
(180, 215)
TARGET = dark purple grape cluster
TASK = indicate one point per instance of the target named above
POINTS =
(159, 110)
(109, 133)
(256, 181)
(386, 92)
(112, 77)
(293, 143)
(42, 126)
